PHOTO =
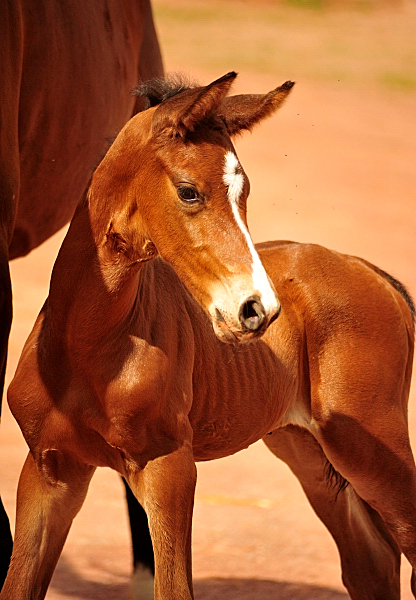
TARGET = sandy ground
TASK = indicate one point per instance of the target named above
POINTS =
(337, 167)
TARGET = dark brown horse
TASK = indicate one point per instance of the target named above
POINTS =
(67, 71)
(140, 358)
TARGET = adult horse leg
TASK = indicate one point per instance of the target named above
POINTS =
(370, 558)
(143, 558)
(11, 52)
(166, 488)
(6, 542)
(50, 493)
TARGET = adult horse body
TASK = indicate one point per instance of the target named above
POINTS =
(126, 368)
(67, 70)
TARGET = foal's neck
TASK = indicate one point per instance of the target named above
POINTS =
(88, 295)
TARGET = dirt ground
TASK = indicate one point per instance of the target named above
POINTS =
(337, 167)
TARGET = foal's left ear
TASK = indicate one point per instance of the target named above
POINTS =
(184, 112)
(243, 112)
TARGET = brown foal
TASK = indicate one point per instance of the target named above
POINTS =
(126, 365)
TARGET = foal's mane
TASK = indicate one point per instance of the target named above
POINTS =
(157, 90)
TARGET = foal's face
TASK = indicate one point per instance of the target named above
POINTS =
(172, 184)
(197, 221)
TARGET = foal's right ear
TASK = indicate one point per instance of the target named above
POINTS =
(183, 113)
(242, 112)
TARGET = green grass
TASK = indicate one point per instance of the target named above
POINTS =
(297, 39)
(401, 82)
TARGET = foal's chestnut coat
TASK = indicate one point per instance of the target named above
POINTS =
(138, 362)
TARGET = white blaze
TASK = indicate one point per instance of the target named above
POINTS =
(234, 180)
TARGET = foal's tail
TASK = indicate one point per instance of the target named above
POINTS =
(403, 291)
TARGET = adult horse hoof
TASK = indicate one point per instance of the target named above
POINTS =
(142, 584)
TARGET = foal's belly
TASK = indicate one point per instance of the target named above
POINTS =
(229, 422)
(215, 440)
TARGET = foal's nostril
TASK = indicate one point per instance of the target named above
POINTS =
(252, 314)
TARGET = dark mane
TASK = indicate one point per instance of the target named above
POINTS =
(155, 91)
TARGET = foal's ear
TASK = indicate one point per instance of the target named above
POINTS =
(182, 113)
(243, 112)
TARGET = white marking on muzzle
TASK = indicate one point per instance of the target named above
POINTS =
(234, 180)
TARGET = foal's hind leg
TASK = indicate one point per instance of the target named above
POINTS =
(49, 496)
(376, 458)
(370, 559)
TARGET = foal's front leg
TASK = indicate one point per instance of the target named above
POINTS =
(51, 491)
(166, 488)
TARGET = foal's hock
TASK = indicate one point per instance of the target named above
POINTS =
(157, 269)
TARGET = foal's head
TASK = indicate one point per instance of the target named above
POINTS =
(172, 185)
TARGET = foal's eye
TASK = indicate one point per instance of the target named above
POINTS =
(188, 193)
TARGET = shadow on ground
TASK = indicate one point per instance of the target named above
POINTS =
(251, 589)
(69, 583)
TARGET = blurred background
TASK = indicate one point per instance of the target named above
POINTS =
(336, 166)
